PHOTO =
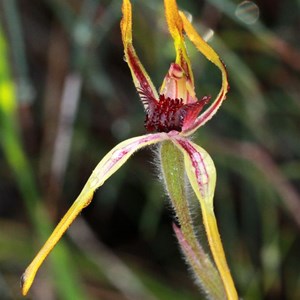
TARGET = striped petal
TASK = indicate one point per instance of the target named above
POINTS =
(111, 162)
(211, 55)
(141, 79)
(200, 169)
(201, 172)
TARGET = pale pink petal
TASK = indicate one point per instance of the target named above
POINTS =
(200, 168)
(111, 162)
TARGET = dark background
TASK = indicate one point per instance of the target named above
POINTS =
(125, 247)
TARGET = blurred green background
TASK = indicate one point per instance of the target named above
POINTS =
(67, 97)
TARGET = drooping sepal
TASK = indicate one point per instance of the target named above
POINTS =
(211, 55)
(140, 77)
(111, 162)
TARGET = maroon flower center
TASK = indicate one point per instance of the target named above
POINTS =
(166, 115)
(169, 114)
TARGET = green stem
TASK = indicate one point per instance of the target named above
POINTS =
(173, 170)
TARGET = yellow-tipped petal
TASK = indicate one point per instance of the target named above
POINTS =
(174, 20)
(211, 55)
(126, 22)
(111, 162)
(175, 25)
(201, 172)
(140, 77)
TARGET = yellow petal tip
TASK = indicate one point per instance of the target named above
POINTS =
(173, 19)
(126, 22)
(25, 285)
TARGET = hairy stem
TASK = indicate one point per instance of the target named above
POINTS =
(173, 170)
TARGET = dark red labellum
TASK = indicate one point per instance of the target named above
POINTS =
(169, 114)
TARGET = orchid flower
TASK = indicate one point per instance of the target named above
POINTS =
(172, 115)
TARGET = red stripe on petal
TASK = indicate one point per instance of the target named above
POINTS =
(211, 111)
(207, 115)
(145, 90)
(192, 112)
(199, 166)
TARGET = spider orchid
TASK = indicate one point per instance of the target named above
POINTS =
(172, 115)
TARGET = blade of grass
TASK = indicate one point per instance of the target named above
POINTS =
(67, 284)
